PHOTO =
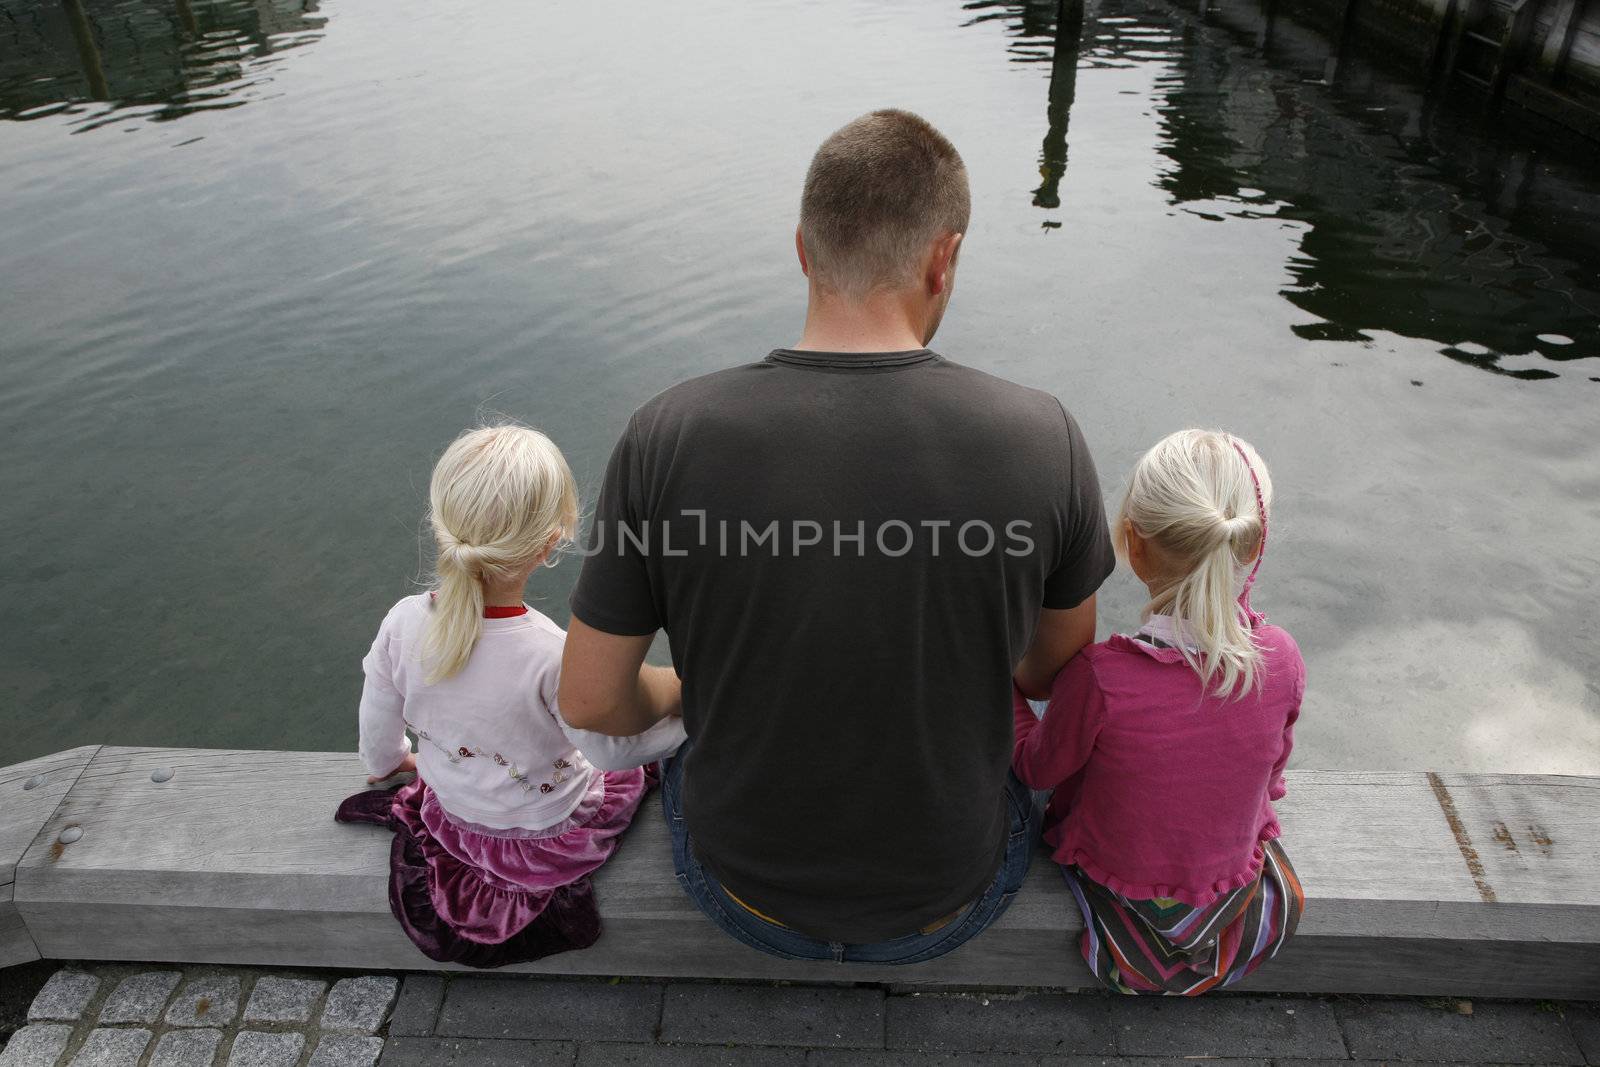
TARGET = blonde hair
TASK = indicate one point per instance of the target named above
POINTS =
(500, 498)
(1193, 498)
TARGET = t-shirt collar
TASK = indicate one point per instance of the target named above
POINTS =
(862, 360)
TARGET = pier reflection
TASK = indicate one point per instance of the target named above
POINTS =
(1416, 217)
(164, 58)
(1044, 31)
(1063, 90)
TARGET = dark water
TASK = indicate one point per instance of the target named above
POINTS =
(260, 261)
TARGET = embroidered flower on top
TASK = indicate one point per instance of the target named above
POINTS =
(461, 752)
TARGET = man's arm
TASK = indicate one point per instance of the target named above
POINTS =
(606, 688)
(1058, 637)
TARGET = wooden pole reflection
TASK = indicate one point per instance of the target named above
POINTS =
(88, 51)
(1063, 90)
(186, 18)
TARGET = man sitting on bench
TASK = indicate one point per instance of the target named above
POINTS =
(854, 545)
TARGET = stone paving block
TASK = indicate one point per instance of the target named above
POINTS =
(36, 1045)
(63, 997)
(421, 996)
(209, 1000)
(139, 998)
(1493, 1033)
(772, 1015)
(112, 1047)
(258, 1048)
(186, 1048)
(614, 1055)
(345, 1050)
(475, 1052)
(550, 1010)
(859, 1058)
(359, 1005)
(1362, 1063)
(282, 1000)
(1057, 1023)
(1584, 1022)
(1301, 1028)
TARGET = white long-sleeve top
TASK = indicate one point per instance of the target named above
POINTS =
(490, 740)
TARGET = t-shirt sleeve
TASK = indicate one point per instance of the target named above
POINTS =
(1087, 557)
(613, 593)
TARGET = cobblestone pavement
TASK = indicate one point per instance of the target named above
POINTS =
(119, 1015)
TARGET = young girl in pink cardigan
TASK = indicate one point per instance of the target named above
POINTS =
(1166, 748)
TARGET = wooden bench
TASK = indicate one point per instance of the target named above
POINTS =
(1485, 885)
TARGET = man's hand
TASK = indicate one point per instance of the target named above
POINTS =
(1057, 639)
(407, 766)
(605, 686)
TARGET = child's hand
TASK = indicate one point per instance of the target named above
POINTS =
(407, 765)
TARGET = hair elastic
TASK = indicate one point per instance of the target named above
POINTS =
(1255, 617)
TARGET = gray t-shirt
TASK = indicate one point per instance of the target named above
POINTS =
(848, 553)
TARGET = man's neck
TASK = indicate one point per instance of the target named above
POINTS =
(883, 322)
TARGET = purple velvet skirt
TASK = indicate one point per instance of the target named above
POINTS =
(486, 898)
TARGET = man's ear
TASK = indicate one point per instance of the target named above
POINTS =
(942, 261)
(800, 250)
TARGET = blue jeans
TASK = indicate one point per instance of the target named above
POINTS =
(743, 925)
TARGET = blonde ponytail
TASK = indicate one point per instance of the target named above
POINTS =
(1201, 500)
(501, 498)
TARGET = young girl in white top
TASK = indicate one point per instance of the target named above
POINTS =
(511, 810)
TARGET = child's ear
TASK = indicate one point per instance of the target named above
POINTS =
(1138, 551)
(549, 547)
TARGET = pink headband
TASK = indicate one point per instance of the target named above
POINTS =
(1261, 551)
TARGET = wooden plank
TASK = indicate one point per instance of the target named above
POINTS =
(1428, 967)
(1513, 46)
(1537, 836)
(689, 947)
(29, 794)
(1558, 41)
(1554, 105)
(16, 944)
(235, 858)
(1582, 68)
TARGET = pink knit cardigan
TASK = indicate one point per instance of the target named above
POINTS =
(1162, 790)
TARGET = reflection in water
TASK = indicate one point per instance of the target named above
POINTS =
(1063, 88)
(1416, 218)
(1419, 219)
(166, 58)
(1044, 31)
(88, 51)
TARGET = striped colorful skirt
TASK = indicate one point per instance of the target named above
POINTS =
(1165, 947)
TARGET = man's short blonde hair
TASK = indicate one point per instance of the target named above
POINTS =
(878, 192)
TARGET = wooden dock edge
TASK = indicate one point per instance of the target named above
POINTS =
(1419, 883)
(29, 794)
